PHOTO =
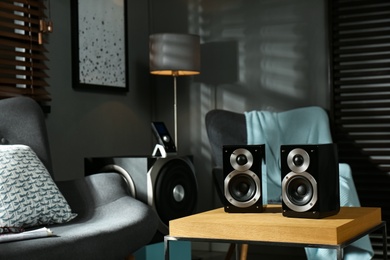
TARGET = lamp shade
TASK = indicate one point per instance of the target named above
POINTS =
(174, 54)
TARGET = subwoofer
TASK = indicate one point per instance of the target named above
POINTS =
(167, 184)
(243, 178)
(310, 180)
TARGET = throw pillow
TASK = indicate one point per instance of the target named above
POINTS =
(28, 195)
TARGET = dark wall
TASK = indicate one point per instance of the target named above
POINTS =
(91, 123)
(265, 54)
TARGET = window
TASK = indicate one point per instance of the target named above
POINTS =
(22, 51)
(360, 83)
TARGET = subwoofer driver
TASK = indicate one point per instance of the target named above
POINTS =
(173, 184)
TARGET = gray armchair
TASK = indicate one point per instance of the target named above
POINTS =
(110, 224)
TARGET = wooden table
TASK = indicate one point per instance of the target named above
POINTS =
(271, 227)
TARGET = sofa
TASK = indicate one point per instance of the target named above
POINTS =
(102, 221)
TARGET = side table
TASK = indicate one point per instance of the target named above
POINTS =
(270, 227)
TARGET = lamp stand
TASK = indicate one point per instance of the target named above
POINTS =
(175, 108)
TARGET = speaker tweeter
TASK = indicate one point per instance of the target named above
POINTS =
(310, 180)
(243, 178)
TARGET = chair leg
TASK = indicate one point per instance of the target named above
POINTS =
(243, 254)
(244, 251)
(130, 257)
(230, 251)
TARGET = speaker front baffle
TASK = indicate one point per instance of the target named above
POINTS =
(243, 178)
(310, 180)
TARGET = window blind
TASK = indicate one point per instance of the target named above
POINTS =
(22, 50)
(360, 83)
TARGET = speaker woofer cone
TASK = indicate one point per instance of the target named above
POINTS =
(242, 189)
(299, 191)
(175, 190)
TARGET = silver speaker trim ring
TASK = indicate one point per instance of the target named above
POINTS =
(233, 159)
(241, 204)
(150, 182)
(288, 202)
(306, 160)
(125, 175)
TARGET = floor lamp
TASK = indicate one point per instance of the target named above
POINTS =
(172, 54)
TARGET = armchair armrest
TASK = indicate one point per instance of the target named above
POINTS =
(86, 194)
(110, 224)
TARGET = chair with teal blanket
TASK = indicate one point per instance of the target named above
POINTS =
(308, 125)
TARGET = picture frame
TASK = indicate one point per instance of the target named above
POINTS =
(99, 45)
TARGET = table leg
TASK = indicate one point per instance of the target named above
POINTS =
(166, 248)
(230, 251)
(237, 252)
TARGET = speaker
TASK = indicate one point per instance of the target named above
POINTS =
(167, 184)
(163, 137)
(243, 179)
(310, 180)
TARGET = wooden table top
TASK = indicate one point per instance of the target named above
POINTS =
(272, 226)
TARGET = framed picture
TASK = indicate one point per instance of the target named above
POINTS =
(99, 44)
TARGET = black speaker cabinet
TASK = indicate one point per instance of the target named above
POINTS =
(243, 178)
(167, 184)
(310, 180)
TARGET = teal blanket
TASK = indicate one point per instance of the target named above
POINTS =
(309, 125)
